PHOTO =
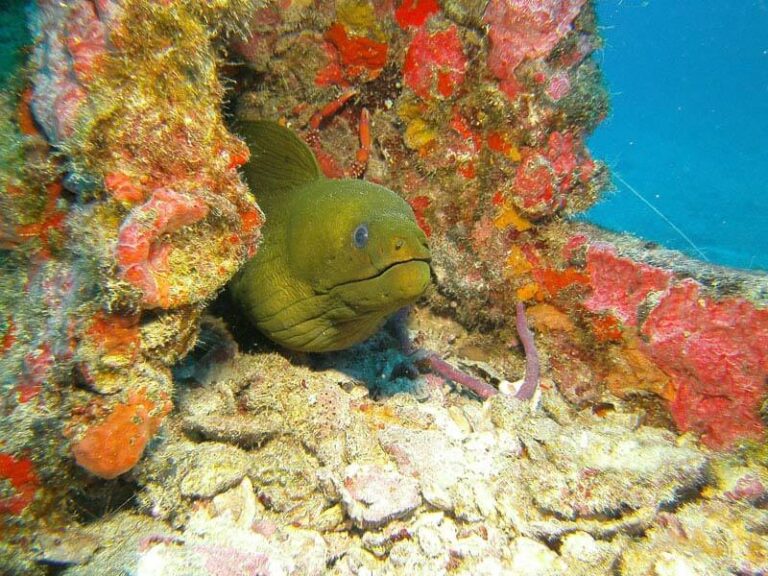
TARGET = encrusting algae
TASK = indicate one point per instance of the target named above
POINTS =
(125, 215)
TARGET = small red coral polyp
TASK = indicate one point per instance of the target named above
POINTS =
(359, 56)
(462, 127)
(9, 338)
(415, 12)
(24, 117)
(606, 328)
(498, 142)
(20, 473)
(238, 155)
(555, 281)
(115, 335)
(250, 220)
(419, 204)
(435, 62)
(123, 188)
(52, 220)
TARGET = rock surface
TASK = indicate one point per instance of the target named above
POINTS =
(341, 484)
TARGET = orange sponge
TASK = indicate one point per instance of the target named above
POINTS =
(115, 445)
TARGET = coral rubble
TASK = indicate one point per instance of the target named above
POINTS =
(344, 484)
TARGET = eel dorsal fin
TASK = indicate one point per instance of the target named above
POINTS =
(280, 161)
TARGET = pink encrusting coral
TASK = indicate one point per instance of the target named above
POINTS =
(714, 352)
(125, 212)
(620, 285)
(435, 63)
(717, 353)
(86, 41)
(525, 29)
(142, 258)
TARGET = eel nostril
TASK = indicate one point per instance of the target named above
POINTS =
(399, 243)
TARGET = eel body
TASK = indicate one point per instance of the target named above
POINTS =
(337, 258)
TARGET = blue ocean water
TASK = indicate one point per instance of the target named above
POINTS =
(13, 36)
(689, 125)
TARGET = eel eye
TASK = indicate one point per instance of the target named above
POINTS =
(360, 237)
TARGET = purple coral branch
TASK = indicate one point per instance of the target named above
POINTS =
(532, 365)
(441, 367)
(436, 364)
(480, 387)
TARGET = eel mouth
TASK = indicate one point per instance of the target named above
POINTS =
(380, 273)
(398, 284)
(352, 311)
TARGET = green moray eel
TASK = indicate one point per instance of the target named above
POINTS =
(337, 257)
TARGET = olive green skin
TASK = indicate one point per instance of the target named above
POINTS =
(309, 287)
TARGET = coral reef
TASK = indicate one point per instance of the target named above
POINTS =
(122, 215)
(141, 217)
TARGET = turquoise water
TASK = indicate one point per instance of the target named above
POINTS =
(689, 126)
(13, 37)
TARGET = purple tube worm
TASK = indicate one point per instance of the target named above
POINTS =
(532, 366)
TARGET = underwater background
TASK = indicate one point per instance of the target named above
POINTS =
(562, 400)
(689, 114)
(13, 36)
(687, 130)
